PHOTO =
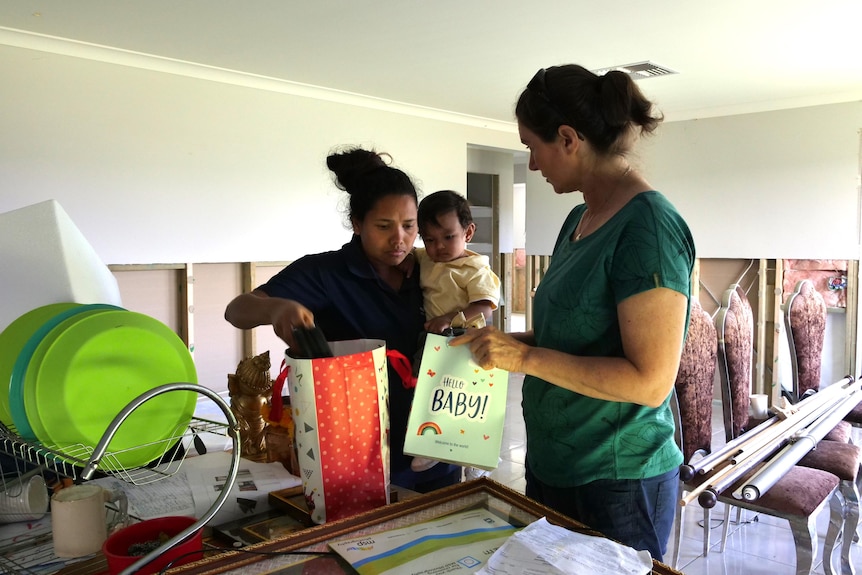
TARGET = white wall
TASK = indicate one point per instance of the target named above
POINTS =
(158, 167)
(161, 167)
(545, 213)
(778, 184)
(770, 185)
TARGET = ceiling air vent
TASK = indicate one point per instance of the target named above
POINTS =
(638, 70)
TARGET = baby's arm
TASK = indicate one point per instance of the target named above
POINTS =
(485, 307)
(440, 323)
(483, 293)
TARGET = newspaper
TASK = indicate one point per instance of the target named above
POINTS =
(197, 485)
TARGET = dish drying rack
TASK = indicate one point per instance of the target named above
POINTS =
(81, 463)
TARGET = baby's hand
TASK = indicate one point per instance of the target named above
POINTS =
(407, 265)
(438, 324)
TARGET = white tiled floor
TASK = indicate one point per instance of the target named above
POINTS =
(759, 546)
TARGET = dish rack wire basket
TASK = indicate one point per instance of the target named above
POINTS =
(78, 463)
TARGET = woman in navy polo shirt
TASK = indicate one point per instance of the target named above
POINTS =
(359, 291)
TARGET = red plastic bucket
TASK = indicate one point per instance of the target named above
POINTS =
(116, 547)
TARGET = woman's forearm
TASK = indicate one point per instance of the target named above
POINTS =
(608, 378)
(250, 310)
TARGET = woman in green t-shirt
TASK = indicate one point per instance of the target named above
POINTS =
(610, 315)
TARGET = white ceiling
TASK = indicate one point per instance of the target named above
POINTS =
(474, 57)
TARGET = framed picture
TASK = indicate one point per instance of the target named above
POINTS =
(307, 550)
(272, 524)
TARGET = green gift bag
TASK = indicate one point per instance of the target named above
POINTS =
(458, 408)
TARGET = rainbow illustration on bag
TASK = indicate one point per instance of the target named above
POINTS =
(429, 426)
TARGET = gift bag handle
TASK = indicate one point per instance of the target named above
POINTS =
(276, 403)
(402, 367)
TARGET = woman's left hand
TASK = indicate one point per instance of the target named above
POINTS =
(492, 348)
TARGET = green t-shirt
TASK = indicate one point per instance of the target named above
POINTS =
(573, 439)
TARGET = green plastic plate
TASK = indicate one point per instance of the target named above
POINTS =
(12, 340)
(92, 368)
(25, 356)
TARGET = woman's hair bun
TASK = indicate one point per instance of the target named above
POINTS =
(351, 165)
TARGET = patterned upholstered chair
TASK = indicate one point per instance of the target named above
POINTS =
(805, 323)
(807, 362)
(802, 492)
(693, 405)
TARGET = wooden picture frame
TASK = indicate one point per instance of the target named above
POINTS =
(289, 554)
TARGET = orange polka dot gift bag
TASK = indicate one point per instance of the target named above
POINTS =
(339, 406)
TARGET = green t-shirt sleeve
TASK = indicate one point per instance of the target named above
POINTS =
(654, 250)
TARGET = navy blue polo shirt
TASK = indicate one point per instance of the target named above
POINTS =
(350, 301)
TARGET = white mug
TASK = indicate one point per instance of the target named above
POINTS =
(23, 500)
(79, 519)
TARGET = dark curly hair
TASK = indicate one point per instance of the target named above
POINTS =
(602, 109)
(440, 203)
(367, 178)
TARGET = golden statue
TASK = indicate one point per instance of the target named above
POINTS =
(250, 389)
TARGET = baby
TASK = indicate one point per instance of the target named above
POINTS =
(454, 280)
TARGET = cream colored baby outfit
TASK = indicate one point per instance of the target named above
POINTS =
(450, 286)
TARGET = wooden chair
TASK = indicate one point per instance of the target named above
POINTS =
(802, 492)
(692, 407)
(805, 323)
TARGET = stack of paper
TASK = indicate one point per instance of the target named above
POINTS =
(552, 550)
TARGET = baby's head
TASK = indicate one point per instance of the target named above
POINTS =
(445, 225)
